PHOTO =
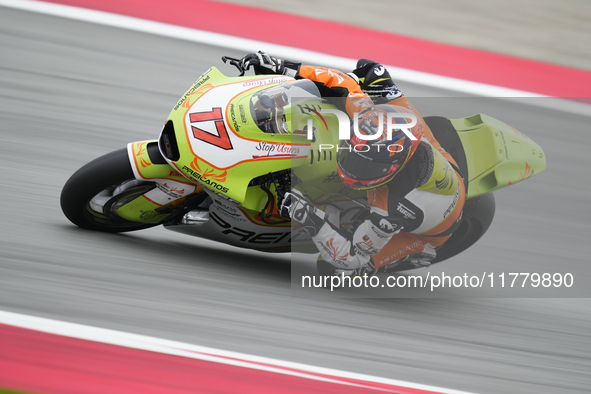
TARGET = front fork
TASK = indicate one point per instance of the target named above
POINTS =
(170, 191)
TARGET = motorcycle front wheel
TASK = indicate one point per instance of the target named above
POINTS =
(91, 197)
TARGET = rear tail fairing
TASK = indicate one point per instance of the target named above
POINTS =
(490, 154)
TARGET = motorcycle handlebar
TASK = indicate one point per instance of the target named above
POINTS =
(235, 62)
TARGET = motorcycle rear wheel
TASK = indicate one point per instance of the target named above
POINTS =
(92, 195)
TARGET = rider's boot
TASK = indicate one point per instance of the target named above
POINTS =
(421, 259)
(327, 269)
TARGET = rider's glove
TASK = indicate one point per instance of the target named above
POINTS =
(295, 207)
(265, 64)
(376, 82)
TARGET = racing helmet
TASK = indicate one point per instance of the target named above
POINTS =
(366, 164)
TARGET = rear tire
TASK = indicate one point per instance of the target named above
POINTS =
(477, 218)
(102, 176)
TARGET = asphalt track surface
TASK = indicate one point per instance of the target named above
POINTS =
(70, 92)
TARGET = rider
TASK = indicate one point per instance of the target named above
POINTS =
(416, 193)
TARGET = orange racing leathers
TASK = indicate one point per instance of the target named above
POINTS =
(424, 200)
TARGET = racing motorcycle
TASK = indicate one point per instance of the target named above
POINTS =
(233, 146)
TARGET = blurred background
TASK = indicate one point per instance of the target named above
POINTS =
(551, 31)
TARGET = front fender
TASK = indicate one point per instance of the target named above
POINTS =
(148, 164)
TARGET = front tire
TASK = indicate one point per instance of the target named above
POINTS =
(90, 197)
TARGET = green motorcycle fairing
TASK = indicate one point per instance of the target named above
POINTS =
(213, 139)
(222, 146)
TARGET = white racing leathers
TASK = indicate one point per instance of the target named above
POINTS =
(368, 239)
